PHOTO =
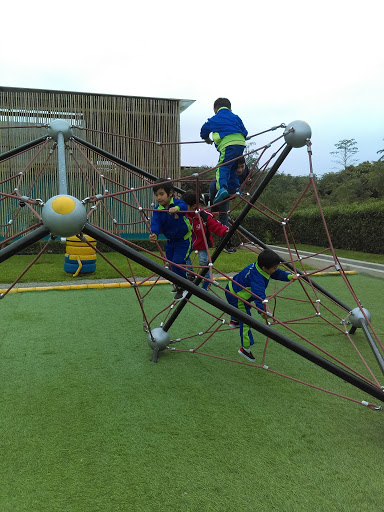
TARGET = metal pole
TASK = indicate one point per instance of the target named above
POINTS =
(27, 240)
(210, 298)
(371, 341)
(121, 162)
(62, 173)
(21, 149)
(256, 194)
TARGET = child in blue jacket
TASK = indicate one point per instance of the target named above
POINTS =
(228, 134)
(254, 278)
(169, 218)
(242, 172)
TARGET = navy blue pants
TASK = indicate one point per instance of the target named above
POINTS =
(246, 336)
(226, 175)
(178, 251)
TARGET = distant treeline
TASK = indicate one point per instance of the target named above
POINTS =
(355, 184)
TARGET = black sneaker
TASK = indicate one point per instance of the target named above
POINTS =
(234, 324)
(205, 199)
(180, 294)
(247, 355)
(229, 249)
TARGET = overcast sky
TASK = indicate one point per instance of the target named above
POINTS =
(276, 61)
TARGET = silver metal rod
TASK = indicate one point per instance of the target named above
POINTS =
(374, 347)
(62, 177)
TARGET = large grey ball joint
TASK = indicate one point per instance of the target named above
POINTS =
(59, 126)
(297, 133)
(357, 319)
(158, 340)
(357, 316)
(64, 215)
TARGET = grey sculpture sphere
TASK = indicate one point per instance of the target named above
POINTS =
(158, 338)
(357, 316)
(59, 125)
(298, 137)
(64, 215)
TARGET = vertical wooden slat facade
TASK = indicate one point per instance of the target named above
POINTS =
(125, 126)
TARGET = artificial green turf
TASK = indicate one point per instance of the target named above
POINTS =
(89, 423)
(50, 267)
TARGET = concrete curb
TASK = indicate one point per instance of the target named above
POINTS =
(322, 261)
(103, 284)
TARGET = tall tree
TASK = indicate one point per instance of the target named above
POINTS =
(382, 154)
(346, 149)
(251, 159)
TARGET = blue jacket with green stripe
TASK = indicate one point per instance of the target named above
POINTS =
(255, 280)
(172, 226)
(226, 127)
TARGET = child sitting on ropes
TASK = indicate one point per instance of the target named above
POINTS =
(242, 172)
(203, 225)
(250, 284)
(169, 218)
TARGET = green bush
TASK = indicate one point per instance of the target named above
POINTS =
(355, 227)
(57, 247)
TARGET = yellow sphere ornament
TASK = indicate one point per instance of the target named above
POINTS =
(64, 215)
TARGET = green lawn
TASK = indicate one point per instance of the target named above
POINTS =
(50, 267)
(89, 423)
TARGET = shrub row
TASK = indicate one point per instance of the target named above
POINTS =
(57, 247)
(351, 227)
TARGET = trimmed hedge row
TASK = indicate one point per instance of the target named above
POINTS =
(351, 227)
(57, 247)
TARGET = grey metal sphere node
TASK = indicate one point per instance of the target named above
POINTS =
(158, 338)
(357, 316)
(59, 125)
(298, 137)
(64, 215)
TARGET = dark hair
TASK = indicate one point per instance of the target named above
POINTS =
(268, 259)
(163, 183)
(189, 197)
(241, 161)
(222, 102)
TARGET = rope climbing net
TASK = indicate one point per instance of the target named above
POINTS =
(118, 199)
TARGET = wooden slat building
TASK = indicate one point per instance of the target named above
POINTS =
(128, 127)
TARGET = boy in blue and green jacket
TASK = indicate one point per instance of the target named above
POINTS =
(169, 218)
(254, 278)
(228, 134)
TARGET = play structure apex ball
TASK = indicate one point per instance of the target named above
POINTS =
(297, 138)
(59, 125)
